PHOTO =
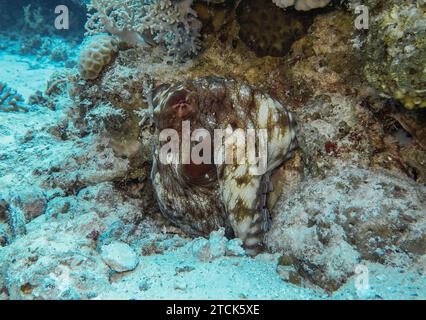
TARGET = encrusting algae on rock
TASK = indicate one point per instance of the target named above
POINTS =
(396, 52)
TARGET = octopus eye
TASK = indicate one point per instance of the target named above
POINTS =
(182, 109)
(180, 106)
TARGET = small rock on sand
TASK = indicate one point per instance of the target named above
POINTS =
(119, 256)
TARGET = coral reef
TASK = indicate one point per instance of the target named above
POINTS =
(170, 24)
(395, 51)
(96, 55)
(10, 100)
(80, 212)
(312, 82)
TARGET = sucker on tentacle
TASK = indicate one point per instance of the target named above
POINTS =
(266, 187)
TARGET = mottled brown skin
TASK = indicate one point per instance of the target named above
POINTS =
(189, 183)
(200, 198)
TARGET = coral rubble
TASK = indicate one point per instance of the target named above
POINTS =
(352, 215)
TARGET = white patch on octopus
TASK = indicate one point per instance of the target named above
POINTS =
(246, 193)
(263, 112)
(241, 228)
(251, 241)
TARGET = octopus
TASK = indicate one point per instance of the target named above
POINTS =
(202, 196)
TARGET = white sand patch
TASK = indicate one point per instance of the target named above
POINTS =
(24, 73)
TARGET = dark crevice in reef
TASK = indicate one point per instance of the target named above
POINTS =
(271, 32)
